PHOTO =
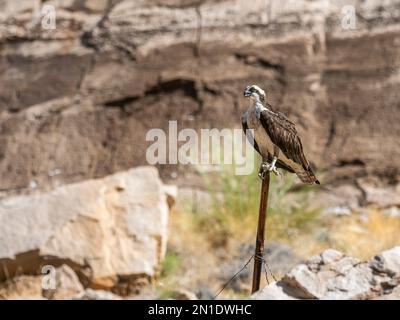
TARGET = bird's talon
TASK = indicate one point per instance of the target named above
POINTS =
(264, 166)
(264, 169)
(276, 172)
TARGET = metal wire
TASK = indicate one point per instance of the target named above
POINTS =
(233, 277)
(266, 270)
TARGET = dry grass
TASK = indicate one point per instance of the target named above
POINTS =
(200, 242)
(361, 235)
(234, 215)
(365, 235)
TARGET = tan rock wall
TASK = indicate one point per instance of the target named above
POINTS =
(76, 102)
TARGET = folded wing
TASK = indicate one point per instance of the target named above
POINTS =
(283, 134)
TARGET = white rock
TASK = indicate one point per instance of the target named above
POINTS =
(90, 294)
(332, 275)
(116, 225)
(388, 261)
(305, 281)
(275, 291)
(354, 284)
(330, 255)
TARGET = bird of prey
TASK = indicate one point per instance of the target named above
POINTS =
(275, 138)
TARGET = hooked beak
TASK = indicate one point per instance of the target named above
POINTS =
(247, 92)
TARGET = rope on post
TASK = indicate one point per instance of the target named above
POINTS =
(259, 250)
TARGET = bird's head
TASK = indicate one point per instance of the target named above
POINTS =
(255, 93)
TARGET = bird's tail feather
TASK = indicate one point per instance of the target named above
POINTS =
(308, 177)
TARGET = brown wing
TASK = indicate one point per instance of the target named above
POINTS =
(251, 139)
(284, 135)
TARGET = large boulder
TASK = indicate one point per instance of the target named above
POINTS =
(111, 231)
(332, 275)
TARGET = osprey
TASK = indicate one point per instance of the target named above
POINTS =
(275, 138)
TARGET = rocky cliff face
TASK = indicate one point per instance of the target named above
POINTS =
(77, 101)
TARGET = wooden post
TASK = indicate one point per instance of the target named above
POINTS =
(259, 251)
